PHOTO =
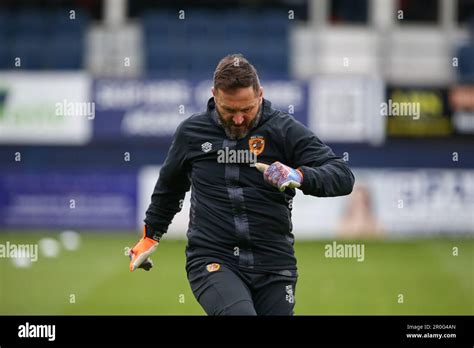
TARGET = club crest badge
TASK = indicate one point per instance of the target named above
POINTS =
(212, 267)
(256, 144)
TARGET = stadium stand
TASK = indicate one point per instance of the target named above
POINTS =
(191, 47)
(466, 57)
(43, 39)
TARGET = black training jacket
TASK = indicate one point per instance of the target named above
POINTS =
(235, 216)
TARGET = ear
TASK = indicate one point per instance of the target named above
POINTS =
(213, 90)
(260, 93)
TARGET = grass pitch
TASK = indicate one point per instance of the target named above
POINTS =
(95, 279)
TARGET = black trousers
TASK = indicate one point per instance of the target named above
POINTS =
(222, 289)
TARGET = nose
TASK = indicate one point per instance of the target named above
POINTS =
(238, 120)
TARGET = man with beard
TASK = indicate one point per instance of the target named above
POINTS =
(240, 255)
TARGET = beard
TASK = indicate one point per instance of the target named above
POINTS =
(234, 132)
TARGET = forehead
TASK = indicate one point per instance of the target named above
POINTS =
(240, 97)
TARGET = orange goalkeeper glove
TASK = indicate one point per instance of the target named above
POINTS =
(140, 254)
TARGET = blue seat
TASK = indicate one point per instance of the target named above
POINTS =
(65, 52)
(42, 39)
(241, 45)
(273, 24)
(156, 60)
(6, 24)
(5, 62)
(160, 23)
(194, 46)
(202, 64)
(61, 21)
(196, 30)
(29, 22)
(466, 63)
(160, 41)
(30, 49)
(240, 25)
(4, 38)
(162, 57)
(158, 38)
(34, 29)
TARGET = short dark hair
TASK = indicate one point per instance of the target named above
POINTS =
(235, 71)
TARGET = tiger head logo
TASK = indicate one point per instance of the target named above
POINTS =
(256, 144)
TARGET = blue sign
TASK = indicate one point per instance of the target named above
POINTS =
(68, 200)
(154, 108)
